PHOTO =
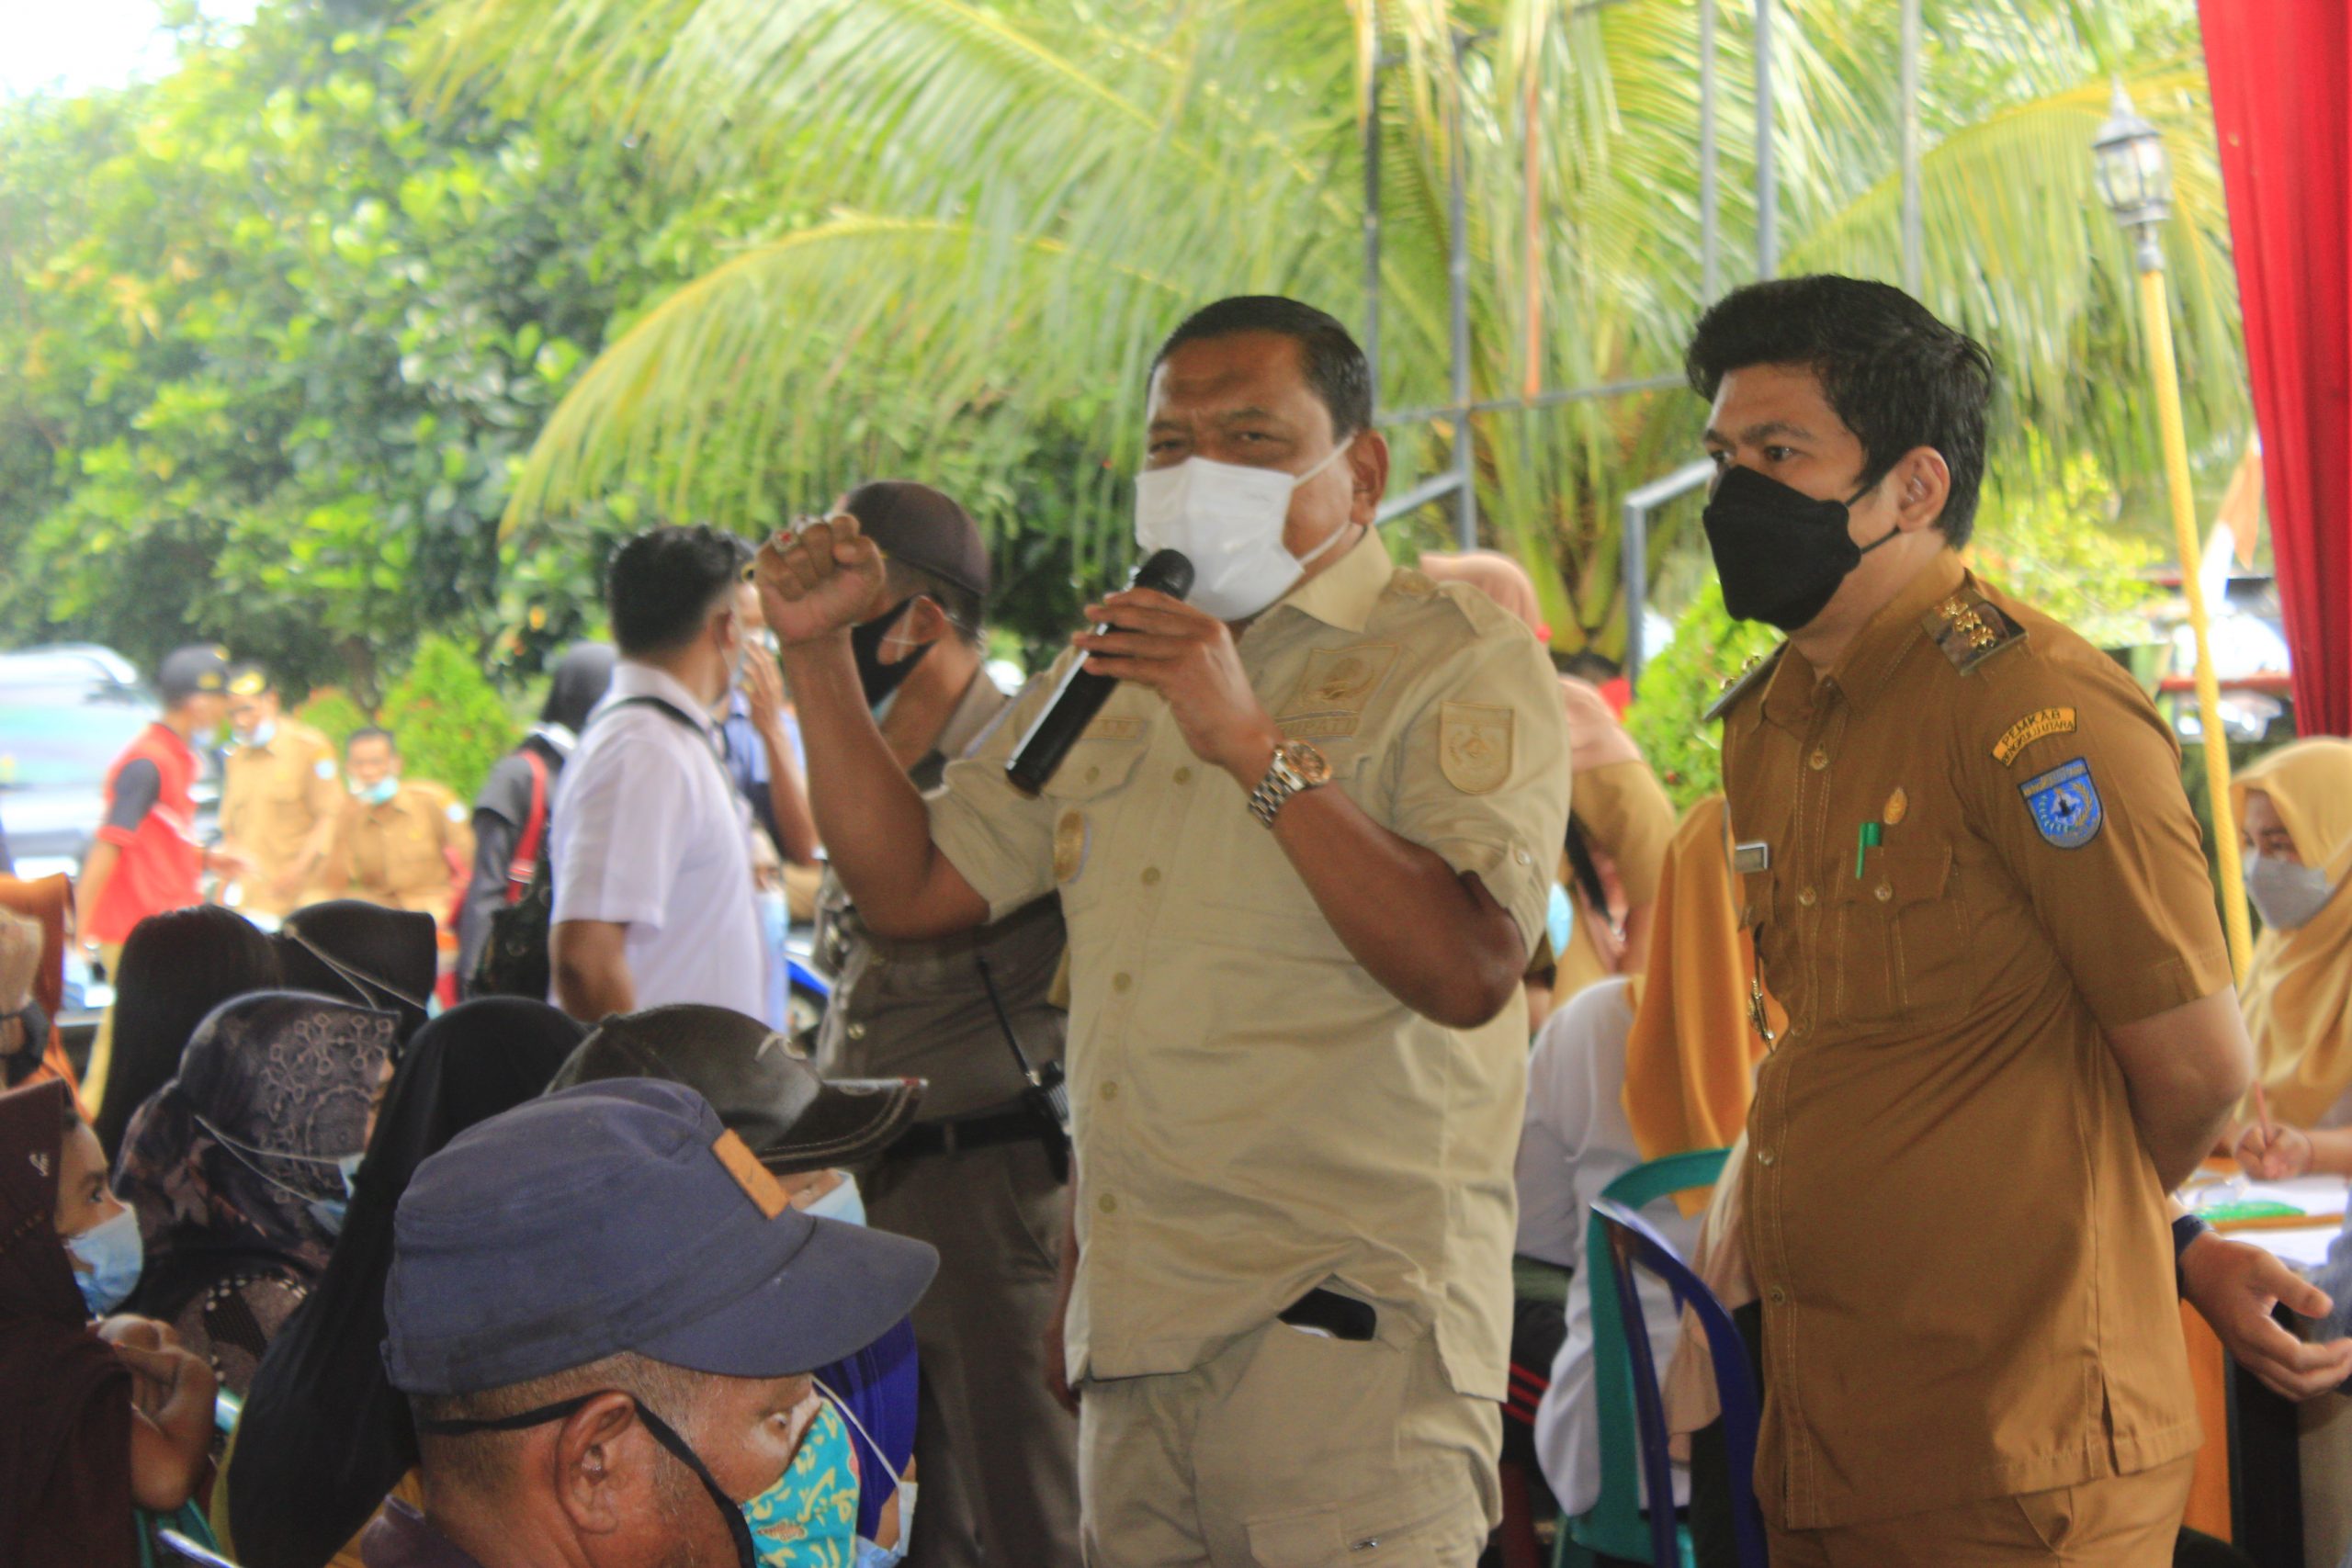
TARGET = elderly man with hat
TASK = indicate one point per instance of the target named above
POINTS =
(146, 858)
(605, 1312)
(281, 795)
(981, 1175)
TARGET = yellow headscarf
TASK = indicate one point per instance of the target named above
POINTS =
(2298, 991)
(1690, 1059)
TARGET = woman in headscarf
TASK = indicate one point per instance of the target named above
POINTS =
(1619, 818)
(94, 1427)
(176, 968)
(519, 791)
(2294, 813)
(287, 1499)
(1627, 1071)
(236, 1167)
(354, 951)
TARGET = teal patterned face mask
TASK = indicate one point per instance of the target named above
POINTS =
(809, 1518)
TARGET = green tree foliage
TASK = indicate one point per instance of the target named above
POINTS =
(1669, 723)
(450, 723)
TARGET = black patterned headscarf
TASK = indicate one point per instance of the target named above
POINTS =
(224, 1162)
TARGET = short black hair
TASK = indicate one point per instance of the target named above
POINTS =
(371, 732)
(1335, 365)
(1899, 378)
(661, 583)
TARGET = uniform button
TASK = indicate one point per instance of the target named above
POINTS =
(1778, 1296)
(1151, 876)
(856, 1032)
(1093, 773)
(1884, 892)
(1121, 982)
(1523, 857)
(1110, 1205)
(1183, 775)
(1765, 1156)
(1806, 897)
(1818, 761)
(1110, 1092)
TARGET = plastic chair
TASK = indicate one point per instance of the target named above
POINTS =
(1614, 1525)
(1634, 1245)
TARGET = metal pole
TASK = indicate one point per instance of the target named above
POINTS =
(1710, 266)
(1372, 216)
(1465, 498)
(2156, 319)
(1914, 242)
(1767, 190)
(1633, 558)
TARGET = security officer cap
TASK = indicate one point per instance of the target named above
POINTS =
(188, 672)
(918, 527)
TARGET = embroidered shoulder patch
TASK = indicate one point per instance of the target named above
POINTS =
(1474, 746)
(324, 767)
(2065, 805)
(2034, 727)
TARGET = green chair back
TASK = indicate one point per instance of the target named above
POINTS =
(1614, 1525)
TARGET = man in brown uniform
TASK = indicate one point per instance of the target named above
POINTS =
(280, 798)
(980, 1178)
(1303, 854)
(405, 842)
(1977, 888)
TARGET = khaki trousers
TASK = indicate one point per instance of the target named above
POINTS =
(996, 1459)
(2124, 1521)
(1289, 1451)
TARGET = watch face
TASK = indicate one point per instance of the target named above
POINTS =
(1311, 766)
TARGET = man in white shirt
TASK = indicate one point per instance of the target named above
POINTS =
(651, 843)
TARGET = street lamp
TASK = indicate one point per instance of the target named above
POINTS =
(2135, 177)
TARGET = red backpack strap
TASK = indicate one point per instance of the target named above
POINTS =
(525, 860)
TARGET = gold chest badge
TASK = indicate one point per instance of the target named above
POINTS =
(1069, 846)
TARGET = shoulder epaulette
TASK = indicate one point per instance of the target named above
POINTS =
(1755, 673)
(1970, 629)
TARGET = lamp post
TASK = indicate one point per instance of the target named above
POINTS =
(2135, 180)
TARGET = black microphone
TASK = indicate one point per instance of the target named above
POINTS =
(1081, 695)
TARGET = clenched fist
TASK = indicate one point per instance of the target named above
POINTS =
(820, 580)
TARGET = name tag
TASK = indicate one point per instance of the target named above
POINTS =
(1750, 858)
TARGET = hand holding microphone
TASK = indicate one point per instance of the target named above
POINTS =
(1082, 690)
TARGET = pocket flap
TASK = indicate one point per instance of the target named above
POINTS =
(1895, 878)
(1093, 767)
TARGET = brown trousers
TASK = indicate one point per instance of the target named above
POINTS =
(996, 1459)
(2124, 1521)
(1289, 1451)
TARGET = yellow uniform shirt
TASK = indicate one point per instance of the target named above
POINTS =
(401, 852)
(273, 796)
(1960, 1240)
(1255, 1115)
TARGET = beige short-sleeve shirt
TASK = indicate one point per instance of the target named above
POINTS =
(1965, 853)
(273, 796)
(1255, 1115)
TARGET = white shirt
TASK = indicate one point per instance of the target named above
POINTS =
(1575, 1142)
(648, 832)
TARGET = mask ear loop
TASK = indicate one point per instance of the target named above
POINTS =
(882, 1461)
(359, 980)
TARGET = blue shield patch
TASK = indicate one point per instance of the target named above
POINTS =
(2065, 806)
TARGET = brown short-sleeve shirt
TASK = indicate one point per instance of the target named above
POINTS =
(1960, 1240)
(1255, 1116)
(273, 796)
(403, 853)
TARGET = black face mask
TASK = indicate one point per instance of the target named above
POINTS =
(1780, 553)
(875, 679)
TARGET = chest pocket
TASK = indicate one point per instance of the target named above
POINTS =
(1249, 885)
(1901, 936)
(1085, 794)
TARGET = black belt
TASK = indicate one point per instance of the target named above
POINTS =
(1328, 1312)
(959, 1133)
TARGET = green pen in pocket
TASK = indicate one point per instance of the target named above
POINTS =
(1865, 839)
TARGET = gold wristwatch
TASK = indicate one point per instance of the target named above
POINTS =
(1296, 766)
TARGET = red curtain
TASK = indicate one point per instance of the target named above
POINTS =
(2283, 108)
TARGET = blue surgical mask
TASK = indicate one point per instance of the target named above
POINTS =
(2287, 895)
(349, 1166)
(380, 793)
(261, 734)
(1560, 921)
(843, 1203)
(113, 1251)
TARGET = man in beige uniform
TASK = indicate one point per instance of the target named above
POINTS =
(405, 842)
(1976, 887)
(981, 1177)
(1295, 1092)
(280, 798)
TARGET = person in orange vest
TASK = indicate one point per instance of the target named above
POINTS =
(146, 858)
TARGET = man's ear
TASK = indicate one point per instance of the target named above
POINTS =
(1921, 482)
(923, 623)
(596, 1461)
(1367, 462)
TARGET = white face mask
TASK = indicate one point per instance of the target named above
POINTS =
(2287, 895)
(1227, 520)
